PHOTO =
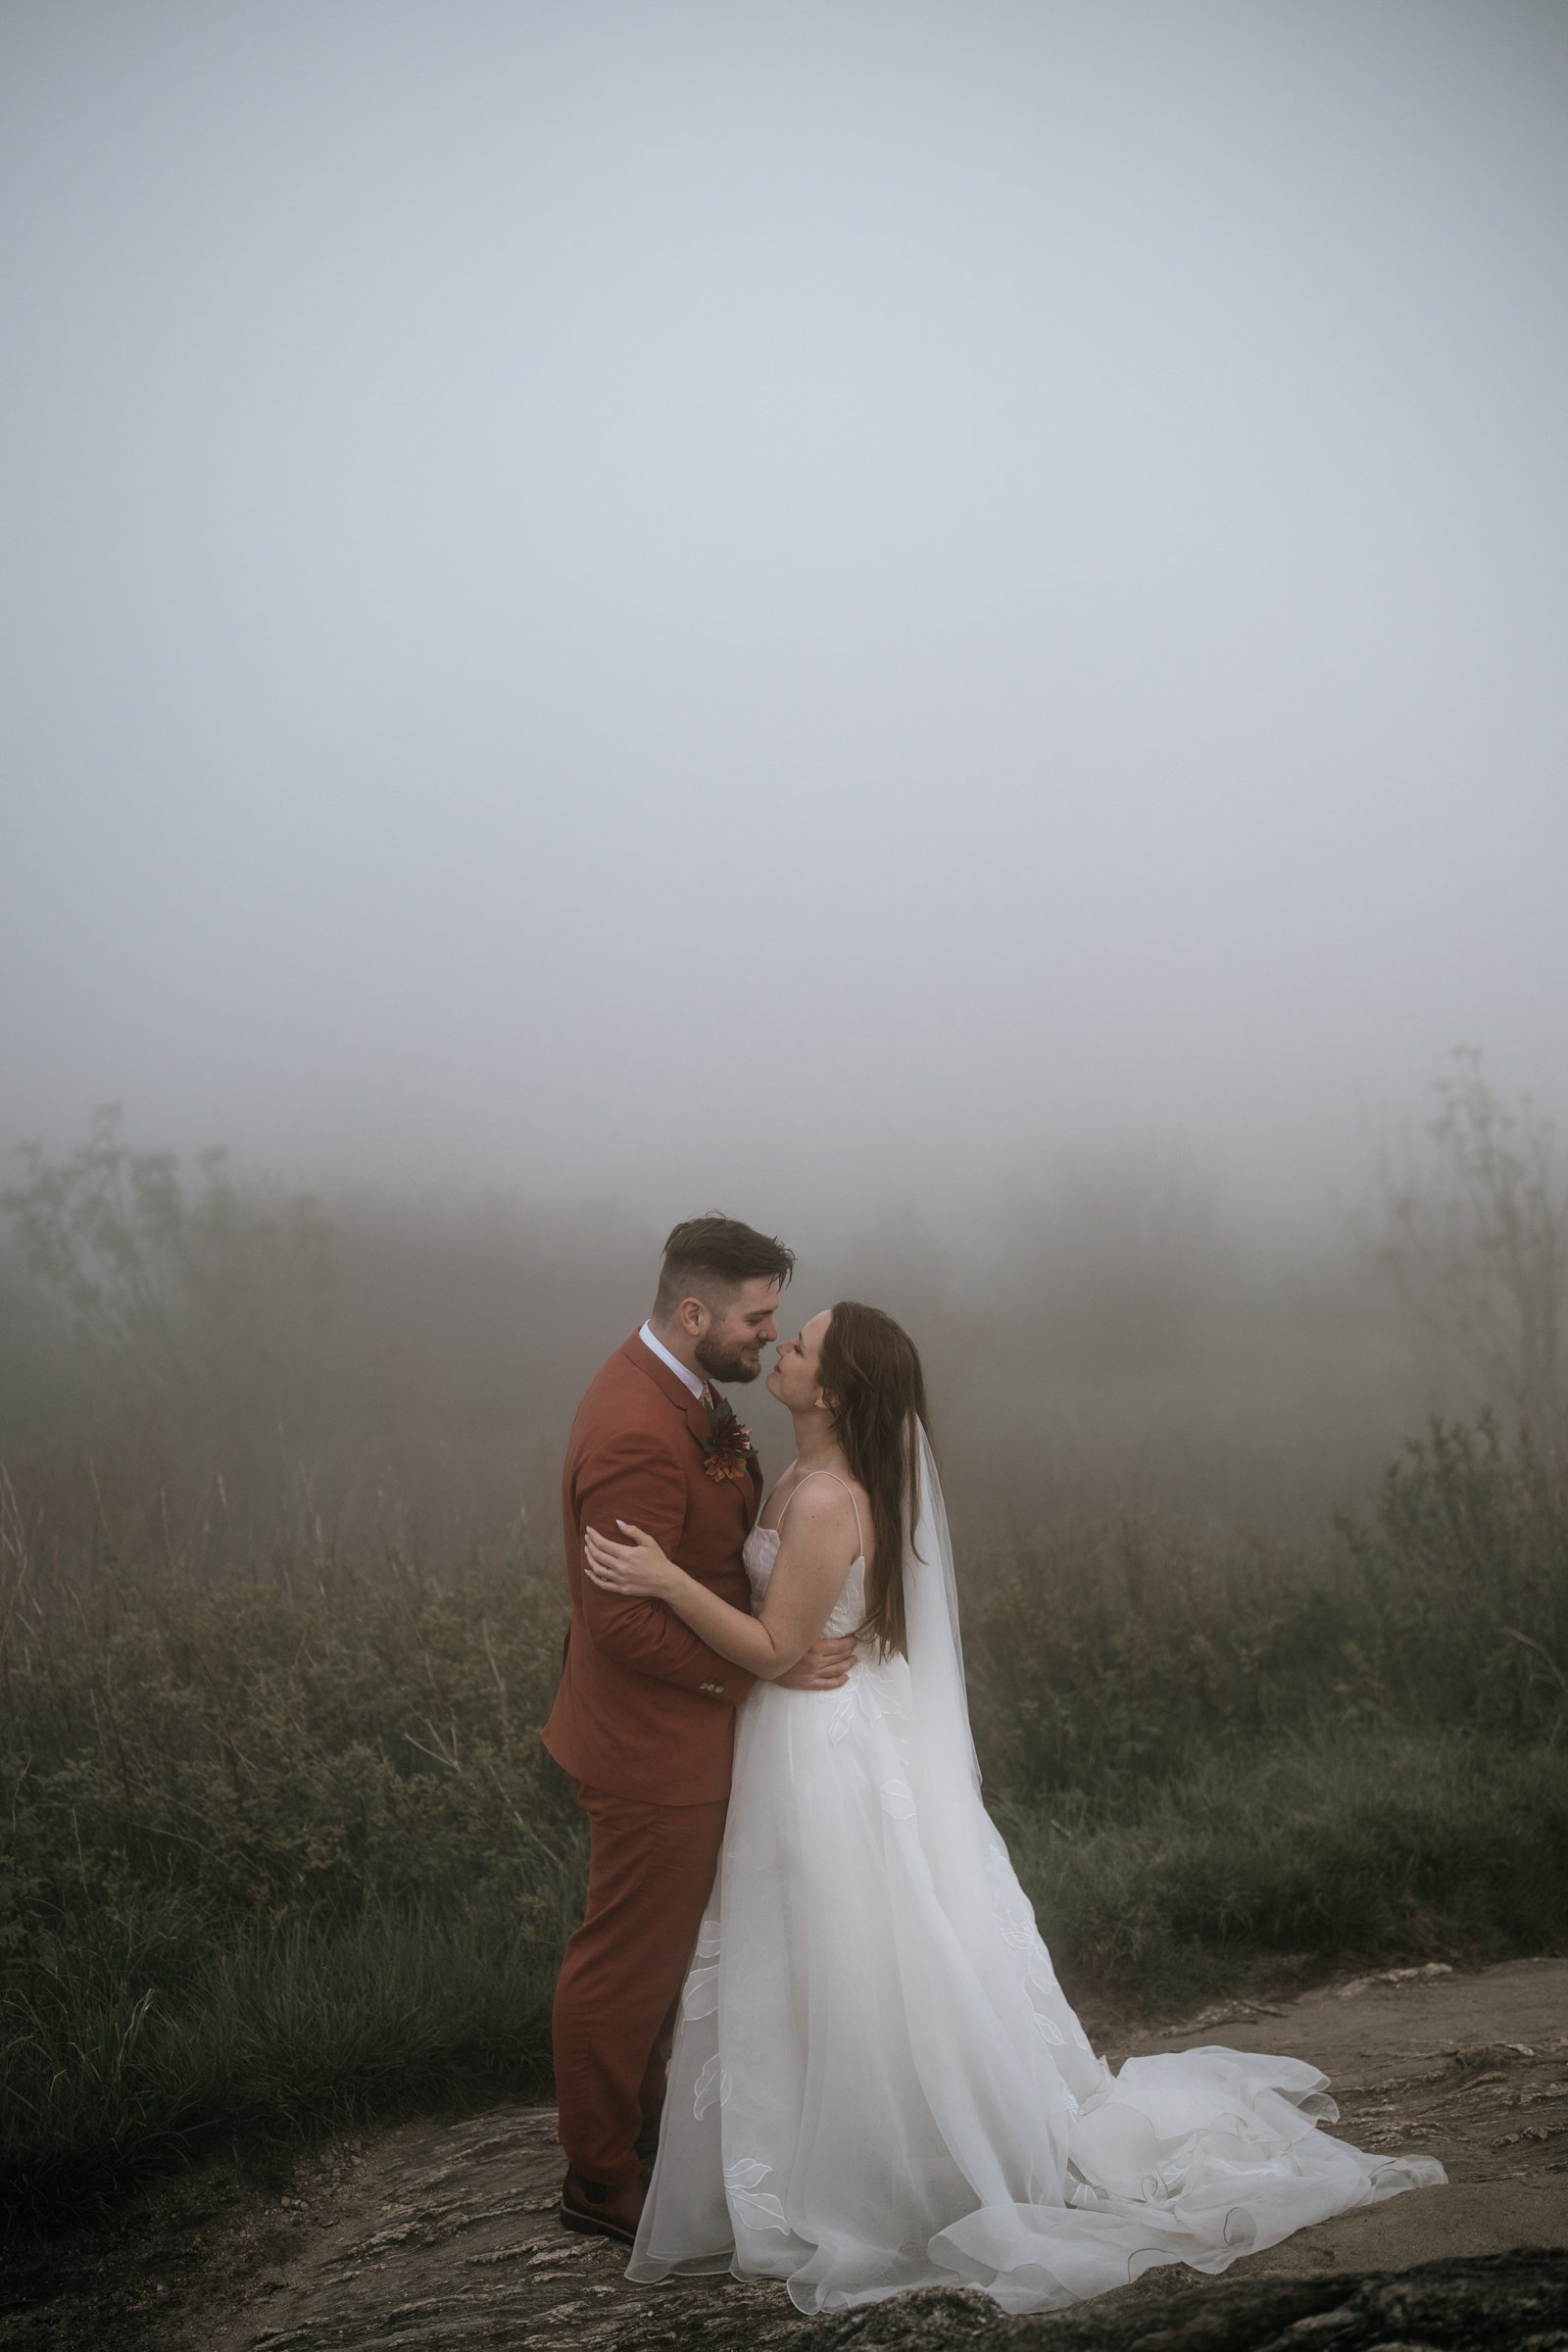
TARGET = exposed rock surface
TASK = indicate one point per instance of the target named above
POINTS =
(440, 2234)
(1492, 2303)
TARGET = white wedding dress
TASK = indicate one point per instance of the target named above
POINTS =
(876, 2082)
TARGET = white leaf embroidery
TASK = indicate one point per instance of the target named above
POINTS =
(867, 1702)
(757, 2212)
(745, 2173)
(711, 2085)
(701, 1996)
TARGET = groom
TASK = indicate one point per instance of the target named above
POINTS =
(645, 1716)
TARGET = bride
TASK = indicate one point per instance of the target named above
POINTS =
(877, 2083)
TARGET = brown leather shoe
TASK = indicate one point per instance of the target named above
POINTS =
(603, 2208)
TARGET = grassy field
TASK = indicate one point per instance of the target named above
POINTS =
(282, 1847)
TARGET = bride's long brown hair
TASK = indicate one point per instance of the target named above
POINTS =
(871, 1373)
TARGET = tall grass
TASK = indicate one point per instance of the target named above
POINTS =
(156, 2027)
(280, 1844)
(1372, 1845)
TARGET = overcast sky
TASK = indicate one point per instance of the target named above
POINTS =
(726, 601)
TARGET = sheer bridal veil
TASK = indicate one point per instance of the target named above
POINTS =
(935, 1643)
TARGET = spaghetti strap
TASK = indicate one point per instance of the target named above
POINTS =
(859, 1532)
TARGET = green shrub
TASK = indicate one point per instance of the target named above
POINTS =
(1105, 1655)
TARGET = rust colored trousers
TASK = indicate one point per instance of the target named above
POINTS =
(649, 1872)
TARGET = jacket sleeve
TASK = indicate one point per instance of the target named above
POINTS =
(632, 1477)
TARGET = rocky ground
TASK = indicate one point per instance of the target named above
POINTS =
(440, 2234)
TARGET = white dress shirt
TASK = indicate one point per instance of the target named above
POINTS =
(687, 1379)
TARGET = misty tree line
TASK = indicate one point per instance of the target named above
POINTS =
(1481, 1255)
(234, 1323)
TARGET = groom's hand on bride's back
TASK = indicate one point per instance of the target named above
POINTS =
(825, 1666)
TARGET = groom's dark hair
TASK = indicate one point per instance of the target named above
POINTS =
(709, 1258)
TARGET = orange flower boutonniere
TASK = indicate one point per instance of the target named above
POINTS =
(727, 1448)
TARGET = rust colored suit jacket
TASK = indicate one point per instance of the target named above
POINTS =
(645, 1709)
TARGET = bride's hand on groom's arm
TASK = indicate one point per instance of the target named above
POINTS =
(783, 1643)
(635, 1569)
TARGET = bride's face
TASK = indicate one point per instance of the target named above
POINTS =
(796, 1380)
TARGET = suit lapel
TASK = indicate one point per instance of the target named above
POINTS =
(691, 1408)
(695, 1414)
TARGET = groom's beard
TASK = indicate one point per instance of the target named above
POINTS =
(729, 1363)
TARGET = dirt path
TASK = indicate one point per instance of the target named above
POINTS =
(440, 2236)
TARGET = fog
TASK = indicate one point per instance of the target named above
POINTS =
(785, 607)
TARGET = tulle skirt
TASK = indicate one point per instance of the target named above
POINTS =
(877, 2083)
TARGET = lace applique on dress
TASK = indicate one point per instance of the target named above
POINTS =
(712, 2086)
(700, 1998)
(742, 2179)
(864, 1701)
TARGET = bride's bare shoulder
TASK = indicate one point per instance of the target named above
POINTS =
(777, 1496)
(822, 1508)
